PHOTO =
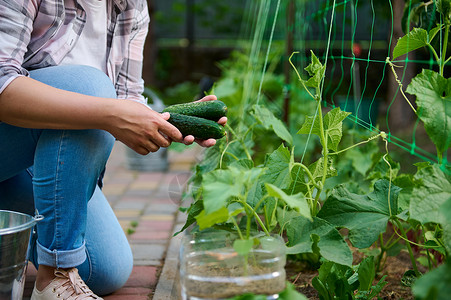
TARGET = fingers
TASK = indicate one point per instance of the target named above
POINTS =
(188, 140)
(171, 132)
(222, 121)
(206, 143)
(207, 98)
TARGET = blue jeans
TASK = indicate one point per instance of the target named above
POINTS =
(57, 172)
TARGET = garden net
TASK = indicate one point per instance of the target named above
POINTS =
(355, 39)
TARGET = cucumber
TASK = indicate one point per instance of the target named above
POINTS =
(211, 110)
(200, 128)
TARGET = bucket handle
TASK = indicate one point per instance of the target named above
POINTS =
(37, 216)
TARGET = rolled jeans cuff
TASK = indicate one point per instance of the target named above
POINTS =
(61, 258)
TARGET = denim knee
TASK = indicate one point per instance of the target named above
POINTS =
(111, 274)
(77, 78)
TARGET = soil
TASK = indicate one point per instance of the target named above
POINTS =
(394, 268)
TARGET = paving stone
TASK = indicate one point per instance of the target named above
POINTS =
(149, 217)
(150, 235)
(152, 225)
(126, 297)
(146, 252)
(143, 276)
(136, 291)
(161, 209)
(139, 193)
(113, 190)
(127, 213)
(144, 186)
(134, 205)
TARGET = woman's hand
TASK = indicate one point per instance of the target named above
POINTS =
(189, 139)
(143, 129)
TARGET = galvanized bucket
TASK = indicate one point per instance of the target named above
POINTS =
(15, 233)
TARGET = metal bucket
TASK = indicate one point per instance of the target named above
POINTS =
(15, 233)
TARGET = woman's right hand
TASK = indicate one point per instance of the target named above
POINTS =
(141, 128)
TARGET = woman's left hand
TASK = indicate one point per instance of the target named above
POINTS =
(189, 139)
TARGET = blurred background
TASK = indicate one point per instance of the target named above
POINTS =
(193, 45)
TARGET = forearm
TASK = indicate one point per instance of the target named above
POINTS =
(29, 103)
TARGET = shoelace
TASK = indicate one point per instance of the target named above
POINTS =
(71, 285)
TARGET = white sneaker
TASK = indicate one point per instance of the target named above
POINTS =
(67, 285)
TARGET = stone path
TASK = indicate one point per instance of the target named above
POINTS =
(147, 206)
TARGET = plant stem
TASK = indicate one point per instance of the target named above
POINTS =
(445, 45)
(323, 139)
(260, 222)
(237, 228)
(309, 174)
(409, 248)
(437, 59)
(358, 144)
(246, 151)
(380, 256)
(400, 84)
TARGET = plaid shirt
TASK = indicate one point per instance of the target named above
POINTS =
(39, 33)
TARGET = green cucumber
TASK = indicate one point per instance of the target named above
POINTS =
(200, 128)
(211, 110)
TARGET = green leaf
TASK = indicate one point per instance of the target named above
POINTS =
(332, 281)
(225, 88)
(302, 234)
(219, 186)
(296, 202)
(415, 39)
(367, 272)
(243, 247)
(278, 165)
(316, 71)
(333, 126)
(365, 216)
(290, 293)
(427, 198)
(208, 220)
(317, 169)
(266, 118)
(446, 211)
(433, 98)
(333, 123)
(195, 209)
(435, 285)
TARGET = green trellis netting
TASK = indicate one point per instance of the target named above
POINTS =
(355, 40)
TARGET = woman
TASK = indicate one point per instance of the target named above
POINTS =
(70, 85)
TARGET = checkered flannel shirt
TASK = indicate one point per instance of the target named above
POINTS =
(39, 33)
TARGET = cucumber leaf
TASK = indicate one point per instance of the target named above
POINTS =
(365, 216)
(415, 39)
(219, 185)
(195, 209)
(243, 247)
(278, 166)
(333, 124)
(316, 71)
(266, 118)
(433, 93)
(446, 211)
(434, 285)
(208, 220)
(428, 197)
(296, 202)
(307, 237)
